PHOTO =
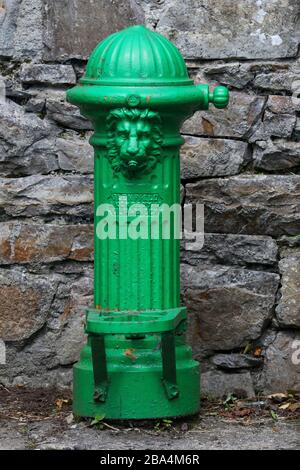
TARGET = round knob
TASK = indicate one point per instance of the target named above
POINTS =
(219, 97)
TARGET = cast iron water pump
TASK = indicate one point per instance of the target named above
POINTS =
(137, 93)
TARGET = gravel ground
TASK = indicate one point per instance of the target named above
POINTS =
(43, 420)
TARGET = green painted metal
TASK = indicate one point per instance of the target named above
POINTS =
(136, 365)
(137, 322)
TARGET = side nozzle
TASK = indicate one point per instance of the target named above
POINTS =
(219, 97)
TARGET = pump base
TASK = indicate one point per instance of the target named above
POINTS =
(135, 388)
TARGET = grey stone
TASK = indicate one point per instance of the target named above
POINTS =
(297, 129)
(182, 193)
(40, 157)
(72, 284)
(39, 362)
(240, 75)
(278, 104)
(39, 353)
(291, 242)
(219, 384)
(276, 81)
(65, 114)
(274, 125)
(8, 13)
(25, 145)
(15, 93)
(202, 157)
(47, 74)
(79, 68)
(276, 154)
(38, 195)
(38, 96)
(228, 306)
(236, 121)
(60, 377)
(221, 29)
(71, 267)
(28, 37)
(265, 205)
(75, 153)
(288, 309)
(72, 336)
(25, 303)
(233, 74)
(22, 243)
(35, 105)
(41, 92)
(236, 361)
(66, 22)
(232, 250)
(34, 365)
(281, 370)
(279, 119)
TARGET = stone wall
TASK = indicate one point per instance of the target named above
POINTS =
(243, 288)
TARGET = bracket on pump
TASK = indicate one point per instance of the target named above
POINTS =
(165, 322)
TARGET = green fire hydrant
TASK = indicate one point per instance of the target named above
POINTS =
(136, 365)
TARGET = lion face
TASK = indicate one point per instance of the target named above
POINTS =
(134, 141)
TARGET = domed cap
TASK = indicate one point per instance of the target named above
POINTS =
(136, 56)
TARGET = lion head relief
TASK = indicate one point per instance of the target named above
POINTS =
(134, 140)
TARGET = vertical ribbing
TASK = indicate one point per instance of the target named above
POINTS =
(138, 274)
